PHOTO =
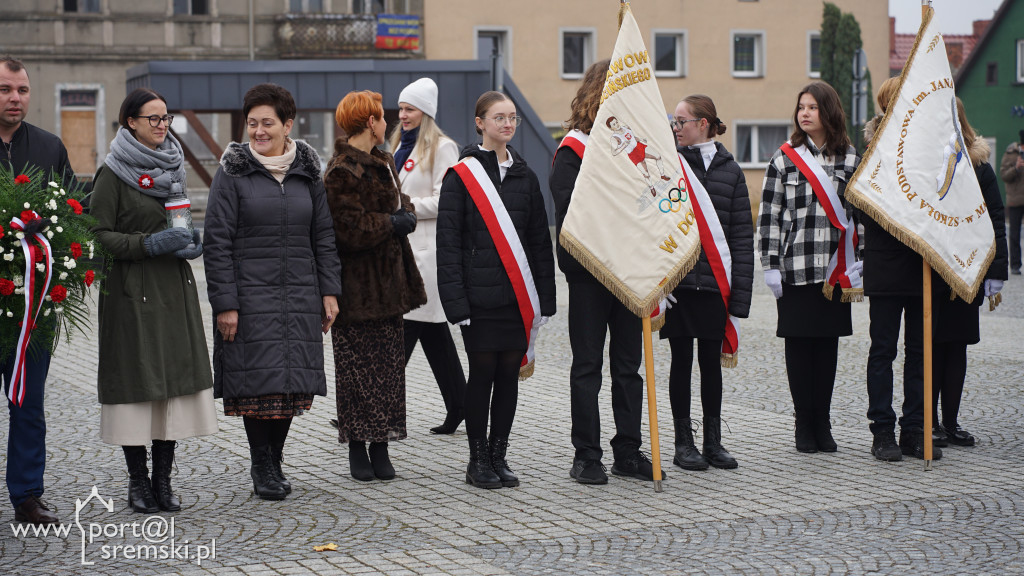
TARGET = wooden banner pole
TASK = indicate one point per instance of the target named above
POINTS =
(652, 403)
(926, 283)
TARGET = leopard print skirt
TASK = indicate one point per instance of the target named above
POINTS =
(370, 380)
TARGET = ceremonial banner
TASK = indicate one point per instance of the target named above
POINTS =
(916, 179)
(630, 221)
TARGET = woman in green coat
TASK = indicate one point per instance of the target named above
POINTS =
(154, 376)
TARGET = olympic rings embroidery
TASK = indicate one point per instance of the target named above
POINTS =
(673, 204)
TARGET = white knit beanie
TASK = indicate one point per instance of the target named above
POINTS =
(421, 94)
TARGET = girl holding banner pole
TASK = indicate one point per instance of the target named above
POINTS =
(808, 241)
(496, 279)
(716, 293)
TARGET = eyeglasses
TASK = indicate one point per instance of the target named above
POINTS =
(155, 120)
(678, 124)
(501, 120)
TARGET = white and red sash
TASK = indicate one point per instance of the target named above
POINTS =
(33, 306)
(825, 191)
(716, 247)
(510, 249)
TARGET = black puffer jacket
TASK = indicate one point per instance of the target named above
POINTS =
(470, 274)
(727, 187)
(562, 181)
(270, 254)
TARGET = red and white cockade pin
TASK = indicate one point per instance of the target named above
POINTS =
(145, 181)
(409, 165)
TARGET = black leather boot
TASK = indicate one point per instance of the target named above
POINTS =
(480, 472)
(451, 422)
(278, 451)
(359, 462)
(687, 456)
(264, 481)
(823, 434)
(140, 490)
(499, 446)
(163, 459)
(714, 453)
(381, 462)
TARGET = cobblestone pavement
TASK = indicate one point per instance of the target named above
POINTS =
(781, 512)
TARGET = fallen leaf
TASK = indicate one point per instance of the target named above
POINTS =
(329, 546)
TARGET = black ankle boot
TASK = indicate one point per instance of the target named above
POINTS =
(823, 435)
(805, 440)
(480, 472)
(498, 447)
(140, 490)
(264, 482)
(278, 451)
(687, 456)
(163, 459)
(358, 462)
(714, 453)
(451, 423)
(381, 463)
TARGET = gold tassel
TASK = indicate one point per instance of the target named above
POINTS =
(826, 289)
(730, 360)
(658, 322)
(852, 295)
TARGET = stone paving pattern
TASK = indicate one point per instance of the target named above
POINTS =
(780, 513)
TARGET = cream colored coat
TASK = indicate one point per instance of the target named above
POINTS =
(425, 189)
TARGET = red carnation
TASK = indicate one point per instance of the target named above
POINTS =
(76, 250)
(89, 277)
(6, 287)
(58, 294)
(27, 216)
(22, 179)
(75, 205)
(1, 231)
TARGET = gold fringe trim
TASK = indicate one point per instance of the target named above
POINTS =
(826, 289)
(730, 360)
(526, 371)
(658, 322)
(852, 295)
(640, 307)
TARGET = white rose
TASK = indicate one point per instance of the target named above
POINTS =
(27, 205)
(54, 184)
(53, 218)
(47, 311)
(59, 228)
(70, 264)
(62, 192)
(20, 236)
(63, 276)
(9, 257)
(49, 234)
(52, 204)
(41, 267)
(47, 298)
(18, 280)
(10, 314)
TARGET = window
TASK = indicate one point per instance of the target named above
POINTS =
(814, 54)
(368, 7)
(576, 51)
(747, 54)
(991, 74)
(494, 41)
(1020, 60)
(82, 6)
(669, 52)
(757, 141)
(317, 129)
(300, 6)
(196, 7)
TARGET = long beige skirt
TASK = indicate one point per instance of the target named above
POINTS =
(176, 418)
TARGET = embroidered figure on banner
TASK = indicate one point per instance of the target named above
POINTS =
(623, 140)
(952, 154)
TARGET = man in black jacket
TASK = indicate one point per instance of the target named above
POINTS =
(26, 145)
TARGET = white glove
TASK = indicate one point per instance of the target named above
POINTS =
(463, 323)
(855, 271)
(992, 287)
(670, 300)
(773, 278)
(543, 320)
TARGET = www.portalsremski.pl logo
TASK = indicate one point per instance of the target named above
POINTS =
(153, 538)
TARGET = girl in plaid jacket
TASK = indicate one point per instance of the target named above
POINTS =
(797, 241)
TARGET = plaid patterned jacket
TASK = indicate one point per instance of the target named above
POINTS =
(794, 234)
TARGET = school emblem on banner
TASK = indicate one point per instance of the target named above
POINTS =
(630, 221)
(916, 179)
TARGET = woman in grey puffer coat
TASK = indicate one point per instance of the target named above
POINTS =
(273, 277)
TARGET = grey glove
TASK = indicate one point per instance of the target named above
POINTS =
(195, 251)
(403, 222)
(167, 241)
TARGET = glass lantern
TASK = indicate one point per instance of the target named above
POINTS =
(179, 209)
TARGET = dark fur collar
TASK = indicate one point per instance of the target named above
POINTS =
(238, 161)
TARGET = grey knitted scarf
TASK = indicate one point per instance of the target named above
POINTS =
(131, 161)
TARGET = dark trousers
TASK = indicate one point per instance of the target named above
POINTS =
(949, 367)
(1014, 214)
(709, 358)
(26, 441)
(811, 370)
(593, 312)
(439, 348)
(885, 313)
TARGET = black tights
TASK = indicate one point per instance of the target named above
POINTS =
(949, 368)
(499, 370)
(709, 358)
(266, 432)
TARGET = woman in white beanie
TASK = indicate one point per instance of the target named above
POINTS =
(423, 154)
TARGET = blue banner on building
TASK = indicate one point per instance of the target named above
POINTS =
(398, 32)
